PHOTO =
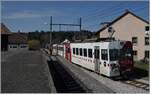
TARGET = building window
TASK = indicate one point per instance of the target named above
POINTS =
(77, 51)
(80, 51)
(134, 40)
(23, 46)
(146, 40)
(14, 46)
(104, 55)
(90, 53)
(73, 50)
(135, 54)
(85, 52)
(146, 28)
(146, 54)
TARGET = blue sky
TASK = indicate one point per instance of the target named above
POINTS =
(29, 16)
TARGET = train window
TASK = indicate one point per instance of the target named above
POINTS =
(104, 55)
(113, 53)
(62, 48)
(68, 50)
(80, 51)
(77, 51)
(126, 53)
(96, 53)
(85, 52)
(73, 50)
(90, 53)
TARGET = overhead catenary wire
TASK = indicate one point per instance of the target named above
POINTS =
(100, 13)
(113, 13)
(92, 26)
(105, 11)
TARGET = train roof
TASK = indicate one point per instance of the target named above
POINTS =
(95, 40)
(108, 41)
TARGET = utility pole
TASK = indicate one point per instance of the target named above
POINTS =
(80, 23)
(61, 25)
(50, 32)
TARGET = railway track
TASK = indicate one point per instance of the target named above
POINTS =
(137, 84)
(63, 81)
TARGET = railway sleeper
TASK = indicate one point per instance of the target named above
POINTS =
(63, 81)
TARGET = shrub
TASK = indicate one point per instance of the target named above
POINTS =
(34, 45)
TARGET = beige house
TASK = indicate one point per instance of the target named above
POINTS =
(132, 28)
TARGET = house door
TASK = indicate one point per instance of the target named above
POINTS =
(96, 58)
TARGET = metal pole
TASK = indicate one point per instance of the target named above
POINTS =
(80, 23)
(50, 31)
(59, 27)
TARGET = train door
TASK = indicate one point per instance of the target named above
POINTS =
(96, 58)
(56, 50)
(63, 51)
(104, 62)
(68, 51)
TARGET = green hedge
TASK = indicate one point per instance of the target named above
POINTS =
(34, 45)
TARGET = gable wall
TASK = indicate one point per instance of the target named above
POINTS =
(126, 28)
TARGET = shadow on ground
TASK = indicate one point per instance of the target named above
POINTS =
(63, 81)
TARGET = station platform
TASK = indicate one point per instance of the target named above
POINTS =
(24, 72)
(85, 80)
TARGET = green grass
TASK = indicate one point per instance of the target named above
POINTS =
(141, 65)
(141, 69)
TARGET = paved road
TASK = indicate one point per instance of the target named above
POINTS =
(23, 72)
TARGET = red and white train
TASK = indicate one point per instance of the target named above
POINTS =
(110, 58)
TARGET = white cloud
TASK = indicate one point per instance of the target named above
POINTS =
(31, 14)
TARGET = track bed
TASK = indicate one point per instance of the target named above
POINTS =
(63, 81)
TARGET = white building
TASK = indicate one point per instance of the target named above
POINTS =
(18, 41)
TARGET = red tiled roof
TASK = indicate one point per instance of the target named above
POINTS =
(18, 38)
(4, 29)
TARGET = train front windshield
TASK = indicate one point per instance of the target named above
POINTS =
(116, 54)
(126, 53)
